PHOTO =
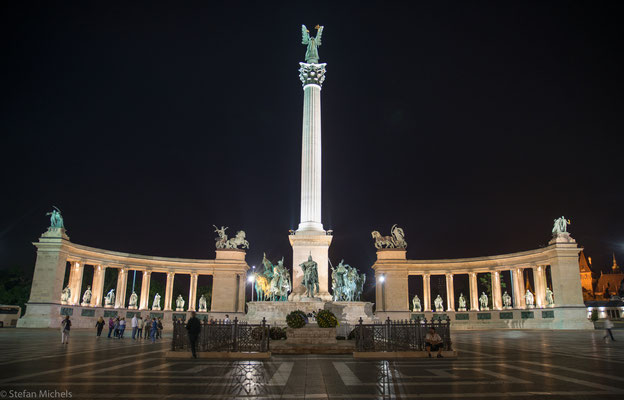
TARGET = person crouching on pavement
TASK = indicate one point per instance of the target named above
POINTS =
(433, 342)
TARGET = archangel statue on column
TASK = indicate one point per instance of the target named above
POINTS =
(313, 43)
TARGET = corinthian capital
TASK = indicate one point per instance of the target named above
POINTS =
(312, 74)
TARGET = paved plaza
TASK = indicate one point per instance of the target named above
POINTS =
(496, 364)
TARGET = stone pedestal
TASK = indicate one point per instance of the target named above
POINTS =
(275, 312)
(310, 334)
(109, 306)
(156, 308)
(179, 309)
(132, 307)
(315, 244)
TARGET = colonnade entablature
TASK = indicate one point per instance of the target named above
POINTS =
(55, 253)
(559, 259)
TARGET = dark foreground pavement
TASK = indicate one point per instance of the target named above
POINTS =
(492, 364)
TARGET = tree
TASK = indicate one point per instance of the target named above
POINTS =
(15, 286)
(486, 282)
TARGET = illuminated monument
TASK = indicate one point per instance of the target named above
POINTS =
(310, 237)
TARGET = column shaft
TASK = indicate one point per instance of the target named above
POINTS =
(120, 292)
(474, 292)
(76, 284)
(521, 288)
(427, 292)
(99, 272)
(497, 300)
(145, 286)
(539, 277)
(450, 293)
(169, 291)
(193, 293)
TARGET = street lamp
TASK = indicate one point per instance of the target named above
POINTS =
(251, 278)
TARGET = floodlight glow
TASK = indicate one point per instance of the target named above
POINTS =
(250, 278)
(382, 278)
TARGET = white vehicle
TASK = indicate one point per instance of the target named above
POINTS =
(9, 315)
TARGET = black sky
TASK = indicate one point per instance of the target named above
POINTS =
(470, 124)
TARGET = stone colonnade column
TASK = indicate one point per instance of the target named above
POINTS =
(450, 293)
(75, 278)
(427, 292)
(519, 279)
(539, 277)
(169, 291)
(497, 300)
(145, 285)
(97, 286)
(474, 292)
(192, 292)
(120, 293)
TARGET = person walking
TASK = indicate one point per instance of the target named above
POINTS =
(608, 326)
(160, 329)
(148, 327)
(135, 326)
(193, 326)
(65, 327)
(122, 327)
(154, 330)
(99, 326)
(140, 324)
(111, 326)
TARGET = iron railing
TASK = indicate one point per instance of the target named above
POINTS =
(221, 336)
(400, 335)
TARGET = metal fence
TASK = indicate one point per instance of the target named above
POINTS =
(221, 336)
(400, 335)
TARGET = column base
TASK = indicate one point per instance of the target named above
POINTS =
(41, 316)
(179, 309)
(132, 308)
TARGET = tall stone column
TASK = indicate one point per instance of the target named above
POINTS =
(169, 291)
(145, 286)
(521, 288)
(474, 292)
(427, 292)
(450, 293)
(76, 282)
(539, 276)
(497, 299)
(97, 287)
(193, 292)
(310, 239)
(120, 293)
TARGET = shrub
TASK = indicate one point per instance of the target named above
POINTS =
(277, 333)
(296, 319)
(256, 333)
(340, 338)
(326, 319)
(594, 315)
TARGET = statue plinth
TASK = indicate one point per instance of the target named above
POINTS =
(179, 309)
(132, 307)
(157, 308)
(108, 306)
(54, 232)
(461, 309)
(85, 304)
(391, 254)
(563, 237)
(231, 254)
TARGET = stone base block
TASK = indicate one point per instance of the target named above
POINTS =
(132, 308)
(219, 355)
(41, 316)
(179, 309)
(390, 355)
(275, 312)
(310, 334)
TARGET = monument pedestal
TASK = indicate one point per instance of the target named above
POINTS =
(316, 244)
(275, 312)
(310, 334)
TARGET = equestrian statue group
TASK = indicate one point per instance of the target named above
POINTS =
(273, 284)
(347, 283)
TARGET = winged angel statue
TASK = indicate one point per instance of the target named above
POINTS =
(312, 56)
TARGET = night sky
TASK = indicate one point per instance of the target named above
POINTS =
(472, 126)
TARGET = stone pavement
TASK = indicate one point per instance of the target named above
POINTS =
(492, 364)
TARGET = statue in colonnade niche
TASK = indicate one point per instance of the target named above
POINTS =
(156, 303)
(203, 307)
(86, 297)
(109, 300)
(439, 304)
(416, 307)
(550, 297)
(310, 277)
(529, 299)
(65, 295)
(180, 303)
(395, 240)
(483, 301)
(56, 219)
(506, 300)
(133, 300)
(462, 302)
(560, 226)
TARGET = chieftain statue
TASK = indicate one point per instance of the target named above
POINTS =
(180, 303)
(273, 284)
(396, 240)
(550, 298)
(347, 283)
(313, 43)
(416, 307)
(310, 277)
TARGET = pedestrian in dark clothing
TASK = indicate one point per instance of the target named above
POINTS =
(160, 328)
(154, 330)
(99, 325)
(193, 326)
(111, 326)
